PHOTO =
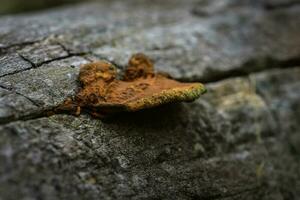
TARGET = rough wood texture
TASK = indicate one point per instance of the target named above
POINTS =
(240, 141)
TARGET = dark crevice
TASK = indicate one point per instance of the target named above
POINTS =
(16, 72)
(84, 54)
(69, 55)
(225, 196)
(27, 60)
(30, 116)
(29, 99)
(63, 47)
(11, 119)
(18, 93)
(43, 112)
(249, 67)
(60, 58)
(21, 70)
(33, 65)
(281, 5)
(42, 63)
(6, 49)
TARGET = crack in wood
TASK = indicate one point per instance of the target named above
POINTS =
(281, 5)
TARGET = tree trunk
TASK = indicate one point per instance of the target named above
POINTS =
(241, 140)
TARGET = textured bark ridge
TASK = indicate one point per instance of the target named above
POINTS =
(241, 140)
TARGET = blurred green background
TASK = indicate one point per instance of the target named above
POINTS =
(19, 6)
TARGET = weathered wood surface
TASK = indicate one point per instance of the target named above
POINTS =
(240, 141)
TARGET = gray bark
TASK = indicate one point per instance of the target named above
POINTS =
(241, 140)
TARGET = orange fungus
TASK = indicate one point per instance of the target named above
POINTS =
(102, 93)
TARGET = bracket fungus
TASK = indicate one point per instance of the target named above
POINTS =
(102, 93)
